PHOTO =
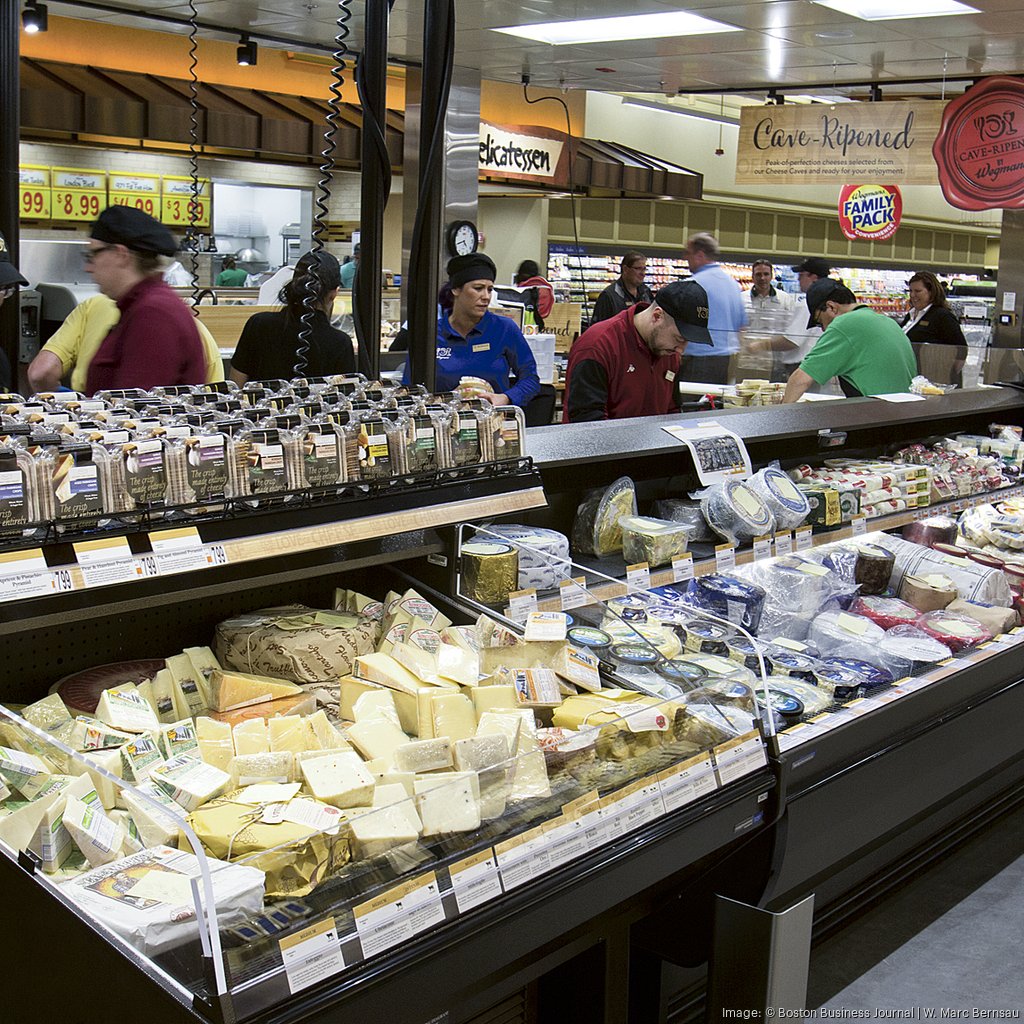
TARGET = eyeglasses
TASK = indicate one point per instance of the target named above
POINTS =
(89, 255)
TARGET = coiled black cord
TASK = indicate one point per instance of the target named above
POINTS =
(313, 285)
(191, 241)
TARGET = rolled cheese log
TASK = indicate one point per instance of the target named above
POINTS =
(995, 620)
(873, 568)
(928, 593)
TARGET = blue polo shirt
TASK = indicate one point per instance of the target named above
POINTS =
(494, 350)
(727, 314)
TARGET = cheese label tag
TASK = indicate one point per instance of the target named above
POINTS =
(521, 603)
(725, 557)
(682, 568)
(395, 916)
(546, 626)
(783, 543)
(859, 524)
(803, 538)
(762, 548)
(852, 624)
(740, 756)
(683, 783)
(475, 880)
(312, 954)
(572, 593)
(638, 576)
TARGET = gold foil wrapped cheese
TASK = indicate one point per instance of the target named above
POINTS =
(490, 572)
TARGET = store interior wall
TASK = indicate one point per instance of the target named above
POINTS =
(514, 230)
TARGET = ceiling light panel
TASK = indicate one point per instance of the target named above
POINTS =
(606, 30)
(892, 10)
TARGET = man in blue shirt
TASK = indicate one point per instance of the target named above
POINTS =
(728, 314)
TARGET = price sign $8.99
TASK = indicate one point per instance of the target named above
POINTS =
(73, 205)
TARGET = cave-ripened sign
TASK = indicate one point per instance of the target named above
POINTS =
(979, 150)
(816, 143)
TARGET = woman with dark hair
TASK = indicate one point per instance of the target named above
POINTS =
(528, 276)
(931, 321)
(269, 348)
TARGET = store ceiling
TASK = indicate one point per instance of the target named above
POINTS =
(786, 43)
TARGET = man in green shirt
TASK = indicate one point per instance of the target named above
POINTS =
(867, 351)
(231, 276)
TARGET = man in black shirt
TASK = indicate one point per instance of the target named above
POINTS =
(10, 281)
(627, 291)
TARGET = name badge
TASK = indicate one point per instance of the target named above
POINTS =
(481, 348)
(669, 375)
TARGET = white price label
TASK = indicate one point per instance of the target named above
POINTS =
(521, 603)
(523, 858)
(762, 548)
(93, 552)
(118, 570)
(632, 807)
(187, 560)
(546, 626)
(311, 955)
(739, 757)
(682, 568)
(725, 557)
(183, 539)
(638, 577)
(572, 593)
(27, 584)
(475, 880)
(783, 543)
(803, 538)
(397, 915)
(686, 782)
(859, 523)
(62, 581)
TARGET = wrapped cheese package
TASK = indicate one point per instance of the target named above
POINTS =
(886, 612)
(543, 554)
(729, 598)
(654, 541)
(735, 512)
(931, 531)
(913, 644)
(928, 592)
(786, 502)
(596, 529)
(995, 620)
(957, 632)
(974, 582)
(841, 635)
(685, 511)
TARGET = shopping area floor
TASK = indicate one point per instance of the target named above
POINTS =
(953, 938)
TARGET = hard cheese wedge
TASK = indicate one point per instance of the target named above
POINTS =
(99, 839)
(341, 779)
(251, 737)
(378, 737)
(190, 782)
(216, 745)
(453, 716)
(186, 682)
(126, 711)
(230, 690)
(449, 803)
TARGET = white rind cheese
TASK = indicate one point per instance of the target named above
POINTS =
(341, 779)
(189, 781)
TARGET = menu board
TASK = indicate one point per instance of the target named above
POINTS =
(177, 196)
(34, 192)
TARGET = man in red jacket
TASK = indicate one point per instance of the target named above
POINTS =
(626, 366)
(156, 341)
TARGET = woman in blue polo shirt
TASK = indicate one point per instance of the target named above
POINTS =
(473, 342)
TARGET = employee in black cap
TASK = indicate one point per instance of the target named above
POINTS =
(472, 342)
(156, 341)
(271, 348)
(627, 366)
(10, 281)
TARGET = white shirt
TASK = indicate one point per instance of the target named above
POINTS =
(914, 317)
(797, 332)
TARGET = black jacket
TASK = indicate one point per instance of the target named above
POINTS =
(614, 299)
(937, 327)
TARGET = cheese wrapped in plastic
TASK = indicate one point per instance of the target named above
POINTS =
(654, 541)
(596, 529)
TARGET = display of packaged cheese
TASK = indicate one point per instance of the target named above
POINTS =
(654, 541)
(596, 529)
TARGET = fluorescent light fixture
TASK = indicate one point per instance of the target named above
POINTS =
(892, 10)
(608, 30)
(821, 97)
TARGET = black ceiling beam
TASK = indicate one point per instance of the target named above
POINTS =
(803, 87)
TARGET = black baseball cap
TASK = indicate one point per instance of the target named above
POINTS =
(818, 294)
(127, 226)
(814, 265)
(687, 303)
(323, 265)
(9, 273)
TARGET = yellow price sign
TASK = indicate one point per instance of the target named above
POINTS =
(176, 204)
(34, 193)
(77, 194)
(139, 190)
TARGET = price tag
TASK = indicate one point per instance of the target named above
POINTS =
(475, 880)
(25, 574)
(762, 548)
(803, 538)
(521, 603)
(854, 624)
(740, 756)
(783, 543)
(546, 626)
(107, 561)
(572, 593)
(859, 524)
(397, 915)
(682, 568)
(177, 199)
(638, 576)
(78, 195)
(725, 557)
(178, 550)
(34, 192)
(632, 807)
(686, 782)
(311, 955)
(141, 191)
(522, 858)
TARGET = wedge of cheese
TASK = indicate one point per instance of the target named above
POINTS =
(186, 684)
(204, 664)
(230, 690)
(479, 752)
(287, 734)
(340, 779)
(327, 736)
(458, 665)
(97, 763)
(377, 737)
(216, 745)
(493, 698)
(453, 716)
(99, 839)
(421, 663)
(92, 734)
(190, 782)
(297, 704)
(169, 708)
(424, 756)
(386, 671)
(52, 842)
(391, 822)
(405, 703)
(145, 691)
(126, 711)
(448, 802)
(178, 738)
(527, 654)
(377, 703)
(157, 825)
(251, 737)
(139, 757)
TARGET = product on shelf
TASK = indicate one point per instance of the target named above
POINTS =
(543, 554)
(596, 529)
(735, 512)
(785, 501)
(654, 541)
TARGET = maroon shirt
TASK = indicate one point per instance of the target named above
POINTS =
(612, 374)
(155, 342)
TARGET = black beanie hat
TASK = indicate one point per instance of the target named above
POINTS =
(474, 267)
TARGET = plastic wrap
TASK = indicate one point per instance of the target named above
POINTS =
(814, 699)
(957, 632)
(728, 597)
(999, 525)
(886, 612)
(995, 620)
(687, 512)
(850, 677)
(702, 636)
(596, 529)
(786, 502)
(872, 571)
(913, 644)
(735, 512)
(654, 541)
(841, 635)
(928, 592)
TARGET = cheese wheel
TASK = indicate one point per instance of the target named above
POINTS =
(929, 592)
(957, 632)
(995, 620)
(873, 568)
(886, 612)
(786, 502)
(931, 531)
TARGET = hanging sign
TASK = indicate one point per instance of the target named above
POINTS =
(177, 197)
(77, 195)
(528, 153)
(139, 190)
(814, 143)
(870, 212)
(979, 150)
(34, 193)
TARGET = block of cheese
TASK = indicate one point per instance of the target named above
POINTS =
(326, 735)
(453, 716)
(495, 791)
(421, 663)
(139, 757)
(168, 707)
(458, 665)
(340, 779)
(425, 712)
(406, 780)
(216, 745)
(251, 737)
(579, 668)
(189, 781)
(186, 683)
(384, 826)
(97, 763)
(479, 752)
(145, 691)
(493, 698)
(130, 838)
(276, 766)
(420, 607)
(52, 842)
(157, 825)
(376, 703)
(297, 704)
(529, 775)
(230, 690)
(92, 734)
(378, 737)
(126, 711)
(461, 636)
(178, 738)
(49, 714)
(20, 827)
(287, 734)
(424, 756)
(449, 802)
(527, 654)
(204, 664)
(385, 670)
(99, 839)
(395, 631)
(405, 703)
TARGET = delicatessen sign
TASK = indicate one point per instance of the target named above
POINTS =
(524, 153)
(817, 142)
(870, 212)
